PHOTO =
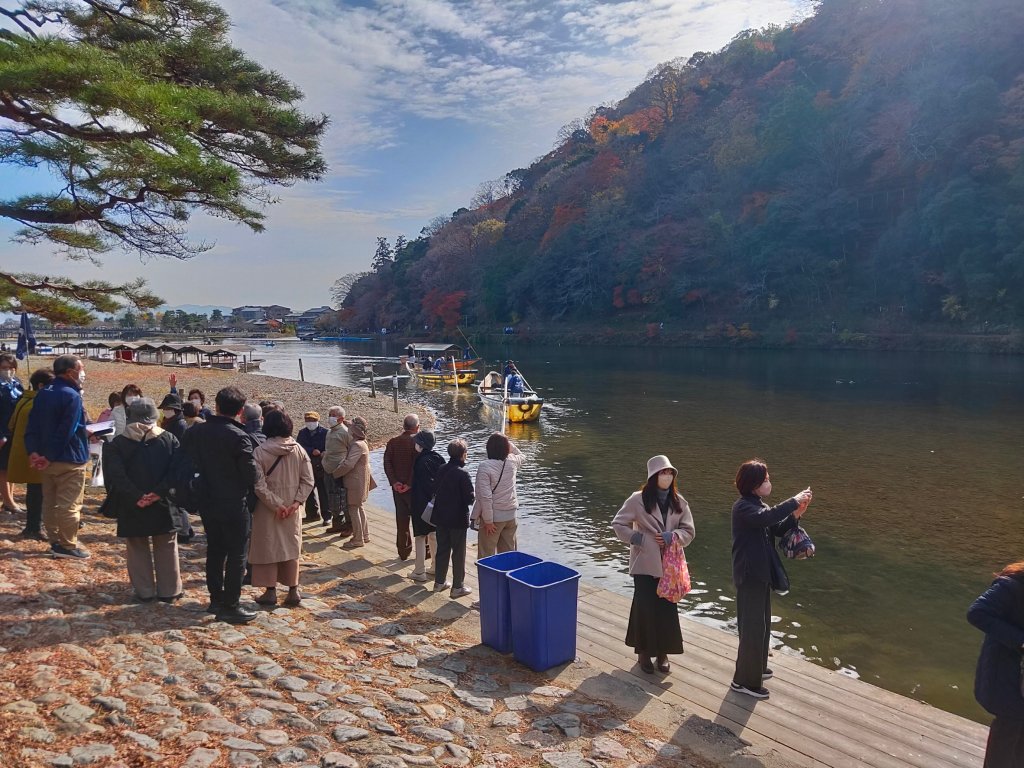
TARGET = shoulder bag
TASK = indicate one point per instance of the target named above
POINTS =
(474, 520)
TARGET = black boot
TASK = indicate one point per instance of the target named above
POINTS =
(235, 615)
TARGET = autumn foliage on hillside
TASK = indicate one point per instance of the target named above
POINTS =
(864, 163)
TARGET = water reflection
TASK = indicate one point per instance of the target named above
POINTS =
(913, 459)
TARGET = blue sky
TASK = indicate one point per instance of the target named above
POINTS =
(427, 98)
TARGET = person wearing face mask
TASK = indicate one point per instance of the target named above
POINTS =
(313, 439)
(137, 467)
(10, 392)
(647, 521)
(252, 423)
(198, 399)
(119, 413)
(355, 473)
(757, 568)
(337, 444)
(58, 447)
(173, 421)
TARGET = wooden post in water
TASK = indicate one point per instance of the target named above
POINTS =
(302, 375)
(455, 374)
(373, 384)
(245, 364)
(394, 387)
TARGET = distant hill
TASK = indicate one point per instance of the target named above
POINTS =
(863, 167)
(197, 309)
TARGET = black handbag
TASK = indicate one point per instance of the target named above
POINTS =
(780, 579)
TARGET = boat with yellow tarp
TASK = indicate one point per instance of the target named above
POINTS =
(515, 407)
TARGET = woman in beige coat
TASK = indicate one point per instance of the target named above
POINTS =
(284, 480)
(355, 472)
(648, 521)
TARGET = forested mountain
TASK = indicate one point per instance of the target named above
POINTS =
(863, 166)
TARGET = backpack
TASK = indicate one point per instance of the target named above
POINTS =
(796, 544)
(185, 482)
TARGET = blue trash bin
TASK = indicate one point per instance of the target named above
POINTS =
(543, 599)
(495, 620)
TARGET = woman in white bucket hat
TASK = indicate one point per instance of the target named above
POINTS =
(647, 522)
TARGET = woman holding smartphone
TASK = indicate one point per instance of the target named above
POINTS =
(754, 561)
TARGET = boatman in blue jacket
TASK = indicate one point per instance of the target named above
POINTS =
(58, 447)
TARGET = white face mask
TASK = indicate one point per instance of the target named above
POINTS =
(130, 399)
(419, 448)
(332, 420)
(765, 489)
(168, 413)
(312, 425)
(81, 377)
(196, 402)
(665, 480)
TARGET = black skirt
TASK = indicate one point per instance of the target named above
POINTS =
(653, 621)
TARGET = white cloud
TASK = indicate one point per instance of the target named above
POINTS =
(495, 80)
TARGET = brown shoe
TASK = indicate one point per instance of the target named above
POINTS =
(269, 597)
(663, 665)
(294, 598)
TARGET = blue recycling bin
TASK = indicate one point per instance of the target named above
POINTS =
(495, 618)
(543, 599)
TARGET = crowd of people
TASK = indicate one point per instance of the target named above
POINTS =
(251, 478)
(241, 469)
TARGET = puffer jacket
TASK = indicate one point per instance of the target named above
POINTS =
(496, 500)
(137, 462)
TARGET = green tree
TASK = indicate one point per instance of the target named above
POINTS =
(383, 257)
(143, 113)
(216, 317)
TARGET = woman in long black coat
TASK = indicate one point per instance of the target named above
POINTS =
(428, 462)
(756, 570)
(136, 468)
(999, 613)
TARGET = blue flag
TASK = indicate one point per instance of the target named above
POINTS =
(26, 339)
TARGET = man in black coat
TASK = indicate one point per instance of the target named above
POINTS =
(222, 454)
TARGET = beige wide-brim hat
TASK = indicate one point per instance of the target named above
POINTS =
(657, 463)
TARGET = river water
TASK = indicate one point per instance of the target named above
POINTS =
(914, 459)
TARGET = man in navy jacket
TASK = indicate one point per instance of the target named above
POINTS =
(58, 446)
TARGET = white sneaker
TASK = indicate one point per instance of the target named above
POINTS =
(442, 587)
(460, 592)
(418, 576)
(430, 570)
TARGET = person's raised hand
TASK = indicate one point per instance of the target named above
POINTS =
(173, 380)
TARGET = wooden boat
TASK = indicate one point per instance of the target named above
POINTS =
(516, 408)
(416, 352)
(462, 378)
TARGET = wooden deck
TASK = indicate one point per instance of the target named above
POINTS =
(815, 717)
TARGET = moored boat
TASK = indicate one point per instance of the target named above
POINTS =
(464, 358)
(445, 377)
(515, 408)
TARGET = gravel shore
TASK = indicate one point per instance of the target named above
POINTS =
(104, 377)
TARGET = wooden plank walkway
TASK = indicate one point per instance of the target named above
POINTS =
(815, 717)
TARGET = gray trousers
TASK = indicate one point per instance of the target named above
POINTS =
(754, 618)
(149, 554)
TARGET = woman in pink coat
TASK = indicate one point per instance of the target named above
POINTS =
(284, 480)
(647, 522)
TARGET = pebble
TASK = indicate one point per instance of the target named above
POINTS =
(405, 661)
(346, 733)
(507, 720)
(110, 703)
(74, 713)
(316, 742)
(568, 724)
(338, 760)
(604, 748)
(292, 683)
(567, 760)
(202, 758)
(91, 753)
(243, 760)
(221, 725)
(517, 703)
(40, 735)
(144, 741)
(337, 716)
(272, 737)
(289, 755)
(479, 703)
(386, 761)
(243, 745)
(432, 734)
(411, 694)
(348, 624)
